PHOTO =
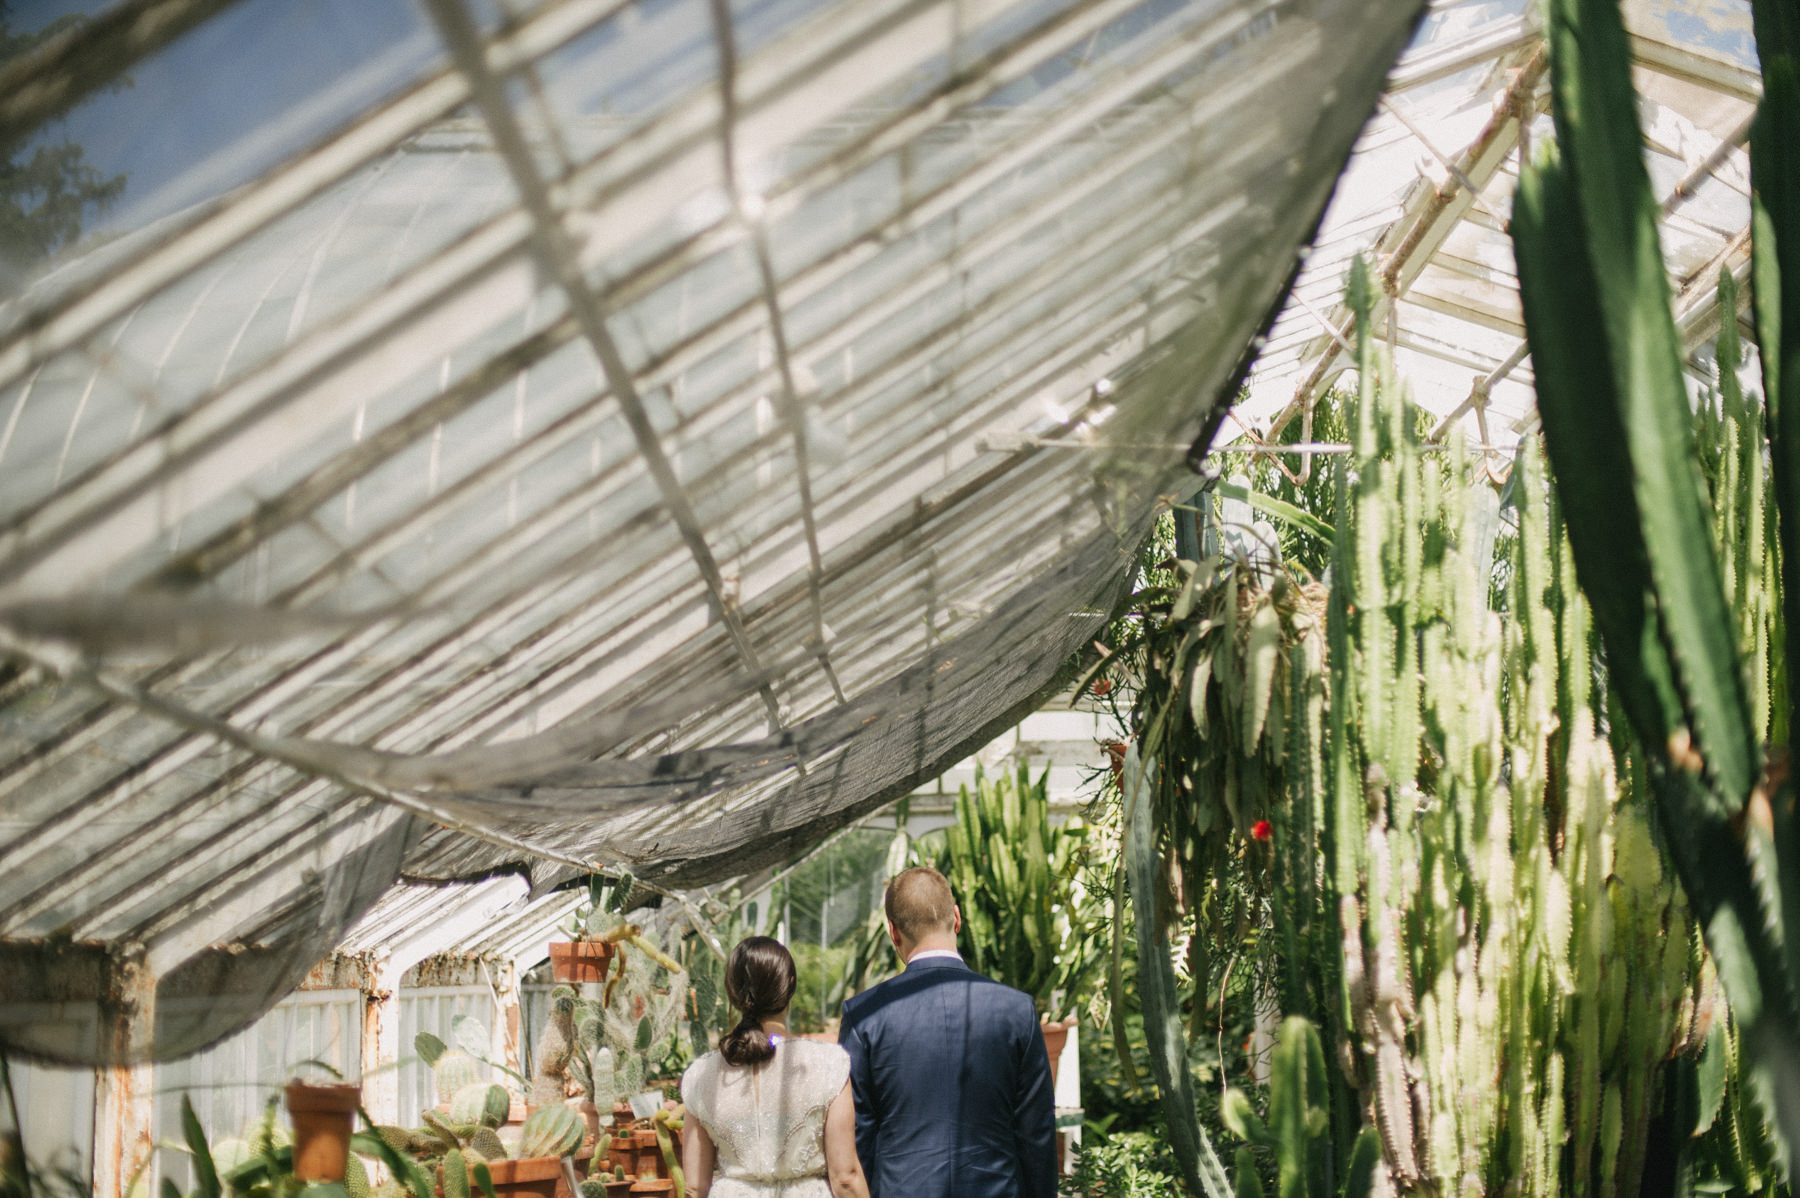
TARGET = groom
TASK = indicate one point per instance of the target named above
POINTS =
(948, 1068)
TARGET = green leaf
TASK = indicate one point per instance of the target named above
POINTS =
(1261, 655)
(1280, 509)
(205, 1174)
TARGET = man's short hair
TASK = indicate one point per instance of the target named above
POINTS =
(919, 903)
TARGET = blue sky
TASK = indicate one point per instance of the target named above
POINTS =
(240, 93)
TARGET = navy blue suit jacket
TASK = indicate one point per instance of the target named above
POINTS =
(952, 1087)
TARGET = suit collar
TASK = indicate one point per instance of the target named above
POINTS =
(919, 963)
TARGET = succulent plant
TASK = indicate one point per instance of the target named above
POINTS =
(455, 1175)
(480, 1103)
(553, 1130)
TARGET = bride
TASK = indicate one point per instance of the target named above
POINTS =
(771, 1116)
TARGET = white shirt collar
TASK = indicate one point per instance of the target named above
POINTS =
(928, 953)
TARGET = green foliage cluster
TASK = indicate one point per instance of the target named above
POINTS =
(1456, 889)
(1015, 875)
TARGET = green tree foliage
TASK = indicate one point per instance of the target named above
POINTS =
(47, 188)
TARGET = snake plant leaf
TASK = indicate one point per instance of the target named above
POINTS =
(206, 1176)
(1595, 107)
(1160, 1001)
(1280, 509)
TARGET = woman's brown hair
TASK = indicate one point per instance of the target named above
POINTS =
(759, 980)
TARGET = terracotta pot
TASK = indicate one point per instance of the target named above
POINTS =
(1056, 1035)
(580, 960)
(621, 1151)
(649, 1155)
(322, 1118)
(538, 1176)
(652, 1185)
(618, 1187)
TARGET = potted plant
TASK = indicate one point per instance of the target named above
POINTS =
(586, 955)
(322, 1117)
(599, 1046)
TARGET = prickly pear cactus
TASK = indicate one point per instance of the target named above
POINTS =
(486, 1144)
(550, 1131)
(482, 1103)
(456, 1175)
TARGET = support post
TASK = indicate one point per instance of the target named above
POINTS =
(381, 1042)
(124, 1095)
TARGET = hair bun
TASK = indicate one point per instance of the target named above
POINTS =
(746, 1044)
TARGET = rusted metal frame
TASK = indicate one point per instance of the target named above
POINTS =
(124, 1101)
(792, 412)
(557, 257)
(1443, 159)
(1437, 217)
(70, 316)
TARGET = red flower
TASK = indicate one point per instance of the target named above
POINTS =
(1102, 687)
(1260, 830)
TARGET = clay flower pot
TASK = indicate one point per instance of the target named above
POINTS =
(536, 1176)
(1056, 1035)
(649, 1155)
(618, 1187)
(622, 1151)
(652, 1185)
(580, 960)
(322, 1117)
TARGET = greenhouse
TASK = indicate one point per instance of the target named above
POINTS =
(1287, 505)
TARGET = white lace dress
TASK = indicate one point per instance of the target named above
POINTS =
(768, 1123)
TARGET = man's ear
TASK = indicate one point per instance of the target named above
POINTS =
(956, 921)
(893, 933)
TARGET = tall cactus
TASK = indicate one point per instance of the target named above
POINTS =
(1665, 585)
